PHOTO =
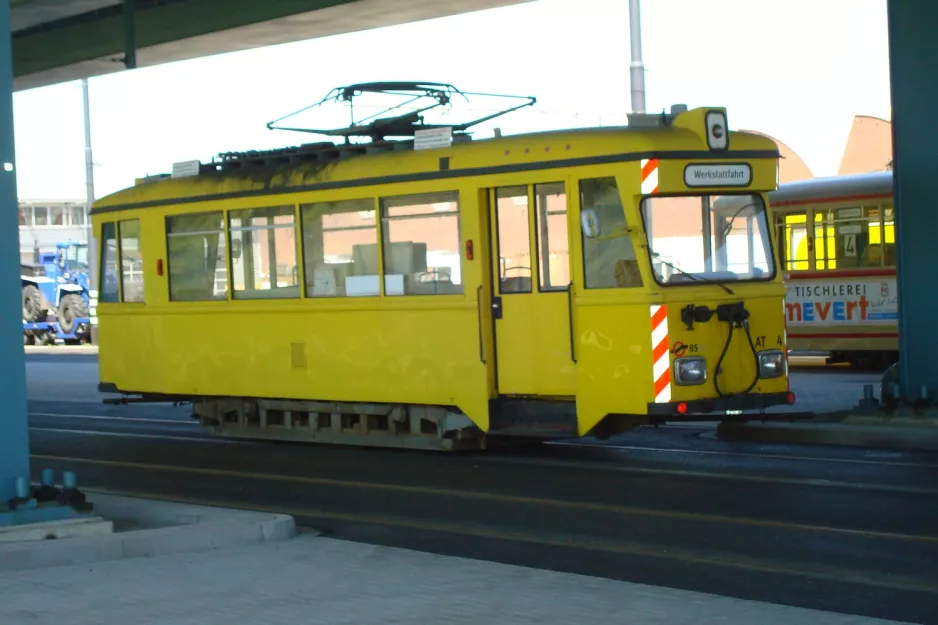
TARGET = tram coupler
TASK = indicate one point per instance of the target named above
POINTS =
(692, 313)
(735, 313)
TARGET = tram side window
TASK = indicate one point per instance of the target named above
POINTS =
(825, 242)
(128, 232)
(793, 241)
(340, 248)
(609, 260)
(889, 237)
(263, 253)
(109, 290)
(553, 255)
(853, 238)
(197, 257)
(421, 246)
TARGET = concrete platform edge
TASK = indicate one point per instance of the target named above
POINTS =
(192, 529)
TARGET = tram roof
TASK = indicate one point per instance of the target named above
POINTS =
(833, 187)
(327, 165)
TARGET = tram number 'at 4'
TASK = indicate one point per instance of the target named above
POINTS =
(760, 341)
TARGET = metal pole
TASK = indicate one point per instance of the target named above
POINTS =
(130, 35)
(636, 68)
(89, 201)
(14, 430)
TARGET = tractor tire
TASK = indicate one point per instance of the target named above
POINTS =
(71, 308)
(32, 304)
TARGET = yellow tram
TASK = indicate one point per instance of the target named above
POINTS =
(434, 291)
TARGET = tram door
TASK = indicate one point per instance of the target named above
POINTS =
(531, 295)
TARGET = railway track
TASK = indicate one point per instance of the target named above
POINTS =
(845, 530)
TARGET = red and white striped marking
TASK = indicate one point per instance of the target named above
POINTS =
(661, 354)
(649, 176)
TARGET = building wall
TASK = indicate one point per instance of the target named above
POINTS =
(791, 167)
(869, 146)
(47, 222)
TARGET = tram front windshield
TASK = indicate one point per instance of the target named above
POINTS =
(708, 238)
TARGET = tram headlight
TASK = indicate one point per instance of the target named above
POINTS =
(772, 364)
(717, 130)
(690, 371)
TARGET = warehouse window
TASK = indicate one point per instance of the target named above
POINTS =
(41, 215)
(421, 247)
(197, 257)
(340, 248)
(131, 261)
(263, 253)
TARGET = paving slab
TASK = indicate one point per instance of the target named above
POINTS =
(66, 528)
(146, 528)
(316, 580)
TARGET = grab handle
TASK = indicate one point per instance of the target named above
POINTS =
(572, 334)
(481, 338)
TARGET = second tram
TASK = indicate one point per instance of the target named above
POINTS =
(837, 248)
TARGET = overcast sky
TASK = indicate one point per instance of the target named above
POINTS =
(797, 70)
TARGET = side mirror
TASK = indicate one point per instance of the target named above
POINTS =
(589, 223)
(236, 249)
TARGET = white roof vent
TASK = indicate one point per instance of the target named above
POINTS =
(186, 169)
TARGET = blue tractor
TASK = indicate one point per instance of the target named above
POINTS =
(56, 295)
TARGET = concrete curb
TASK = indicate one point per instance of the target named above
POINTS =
(62, 350)
(173, 528)
(855, 431)
(928, 424)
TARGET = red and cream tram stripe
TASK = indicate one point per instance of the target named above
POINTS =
(649, 176)
(661, 357)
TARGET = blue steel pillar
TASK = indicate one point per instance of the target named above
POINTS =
(913, 59)
(14, 433)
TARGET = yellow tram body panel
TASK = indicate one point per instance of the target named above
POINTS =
(555, 289)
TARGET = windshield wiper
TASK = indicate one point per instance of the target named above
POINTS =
(729, 225)
(690, 275)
